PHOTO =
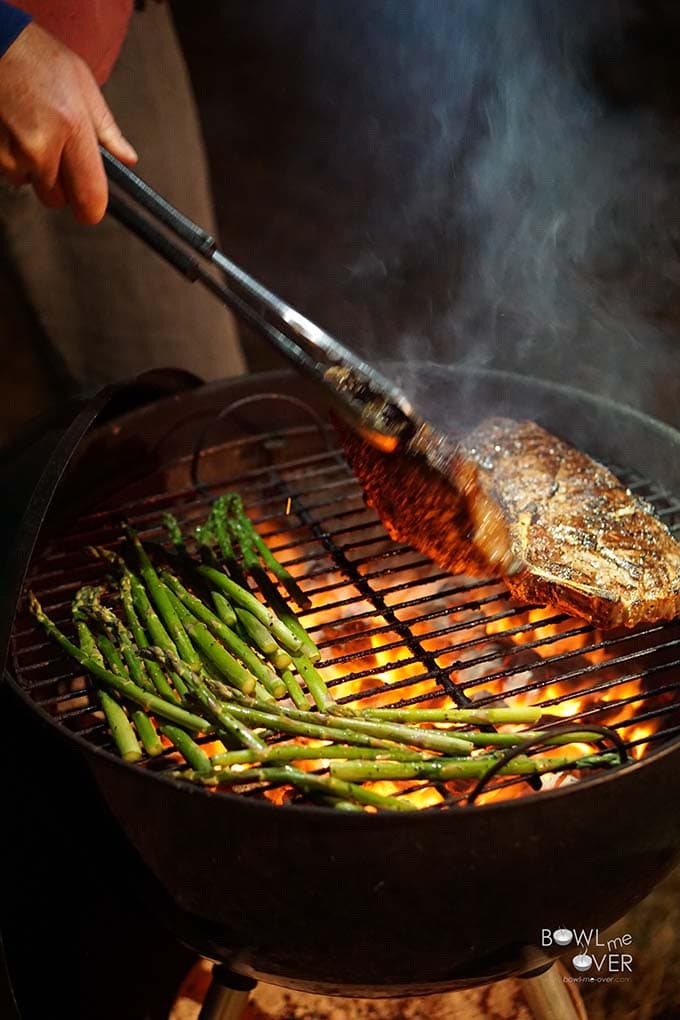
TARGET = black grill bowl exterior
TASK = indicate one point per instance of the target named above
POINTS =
(395, 905)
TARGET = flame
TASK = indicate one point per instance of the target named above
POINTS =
(519, 658)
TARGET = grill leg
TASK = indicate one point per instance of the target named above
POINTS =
(227, 996)
(551, 998)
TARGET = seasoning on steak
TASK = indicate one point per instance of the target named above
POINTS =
(580, 540)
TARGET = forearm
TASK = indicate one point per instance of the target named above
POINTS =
(12, 23)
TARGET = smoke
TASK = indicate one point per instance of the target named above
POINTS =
(571, 213)
(477, 182)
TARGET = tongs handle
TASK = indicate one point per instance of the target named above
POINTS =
(196, 237)
(373, 403)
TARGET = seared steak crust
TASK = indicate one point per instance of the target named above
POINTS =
(580, 540)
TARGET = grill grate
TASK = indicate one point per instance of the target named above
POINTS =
(392, 628)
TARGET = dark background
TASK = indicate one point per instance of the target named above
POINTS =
(464, 181)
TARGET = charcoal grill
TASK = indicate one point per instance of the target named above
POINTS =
(312, 898)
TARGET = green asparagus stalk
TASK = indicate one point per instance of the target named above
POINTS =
(205, 540)
(222, 538)
(155, 627)
(111, 656)
(92, 604)
(262, 638)
(137, 601)
(224, 609)
(267, 645)
(470, 716)
(146, 731)
(226, 635)
(143, 724)
(174, 531)
(284, 612)
(325, 726)
(86, 640)
(121, 728)
(157, 675)
(195, 679)
(227, 665)
(194, 755)
(247, 600)
(291, 752)
(512, 739)
(246, 529)
(316, 685)
(442, 769)
(270, 716)
(297, 695)
(308, 782)
(280, 659)
(164, 605)
(128, 689)
(224, 526)
(339, 805)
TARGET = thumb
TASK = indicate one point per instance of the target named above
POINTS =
(106, 129)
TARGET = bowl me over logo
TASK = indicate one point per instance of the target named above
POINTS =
(595, 955)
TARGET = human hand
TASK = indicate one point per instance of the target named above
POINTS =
(52, 117)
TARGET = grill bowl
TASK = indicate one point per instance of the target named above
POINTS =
(316, 899)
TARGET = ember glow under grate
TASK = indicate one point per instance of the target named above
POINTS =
(392, 628)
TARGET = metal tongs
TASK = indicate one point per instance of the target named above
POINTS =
(429, 492)
(374, 406)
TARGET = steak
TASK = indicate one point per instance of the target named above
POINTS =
(578, 539)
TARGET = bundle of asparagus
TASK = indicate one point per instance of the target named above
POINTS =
(183, 646)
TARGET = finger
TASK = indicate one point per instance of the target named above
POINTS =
(82, 177)
(53, 198)
(106, 129)
(10, 161)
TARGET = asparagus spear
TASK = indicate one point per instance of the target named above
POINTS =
(194, 755)
(296, 693)
(223, 609)
(91, 603)
(411, 736)
(270, 715)
(174, 532)
(135, 600)
(226, 635)
(195, 679)
(316, 685)
(128, 689)
(121, 728)
(221, 534)
(286, 614)
(305, 781)
(262, 638)
(145, 728)
(249, 537)
(227, 665)
(289, 752)
(443, 769)
(283, 716)
(143, 724)
(164, 605)
(472, 716)
(247, 600)
(147, 733)
(339, 805)
(138, 633)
